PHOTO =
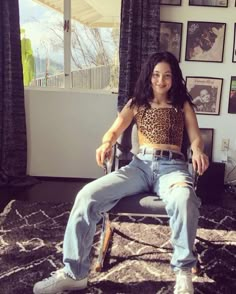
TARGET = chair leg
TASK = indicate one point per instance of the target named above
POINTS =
(196, 270)
(104, 242)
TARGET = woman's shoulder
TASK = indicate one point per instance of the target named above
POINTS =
(129, 109)
(138, 110)
(187, 105)
(134, 107)
(188, 108)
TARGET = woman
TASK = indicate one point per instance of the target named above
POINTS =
(162, 108)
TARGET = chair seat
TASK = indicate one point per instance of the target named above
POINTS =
(147, 203)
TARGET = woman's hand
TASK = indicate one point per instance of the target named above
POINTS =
(103, 153)
(200, 162)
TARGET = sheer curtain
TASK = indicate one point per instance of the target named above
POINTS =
(13, 144)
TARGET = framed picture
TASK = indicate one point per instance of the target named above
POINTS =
(170, 2)
(171, 37)
(214, 3)
(206, 94)
(207, 136)
(205, 41)
(234, 48)
(232, 96)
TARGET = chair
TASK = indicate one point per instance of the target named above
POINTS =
(143, 204)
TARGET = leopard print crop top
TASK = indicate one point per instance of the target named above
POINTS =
(160, 125)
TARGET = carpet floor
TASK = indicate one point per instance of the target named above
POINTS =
(31, 236)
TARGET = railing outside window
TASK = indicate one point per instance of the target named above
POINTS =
(94, 50)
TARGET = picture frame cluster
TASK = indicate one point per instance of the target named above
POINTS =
(205, 42)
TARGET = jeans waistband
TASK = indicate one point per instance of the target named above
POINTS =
(161, 153)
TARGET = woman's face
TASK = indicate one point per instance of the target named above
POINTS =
(161, 79)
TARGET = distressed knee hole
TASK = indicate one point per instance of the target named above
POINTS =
(181, 184)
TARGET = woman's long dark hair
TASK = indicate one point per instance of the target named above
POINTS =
(143, 92)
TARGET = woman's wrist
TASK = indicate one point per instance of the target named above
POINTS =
(107, 141)
(197, 153)
(197, 150)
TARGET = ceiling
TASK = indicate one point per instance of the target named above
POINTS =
(93, 13)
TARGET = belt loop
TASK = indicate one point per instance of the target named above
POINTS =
(143, 151)
(161, 153)
(170, 155)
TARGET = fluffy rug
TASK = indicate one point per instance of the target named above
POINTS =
(31, 237)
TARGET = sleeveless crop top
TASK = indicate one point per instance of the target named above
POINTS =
(160, 125)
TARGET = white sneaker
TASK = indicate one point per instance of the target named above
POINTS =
(184, 284)
(59, 282)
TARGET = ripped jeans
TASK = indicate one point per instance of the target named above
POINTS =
(168, 178)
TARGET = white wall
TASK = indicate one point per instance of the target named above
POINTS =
(224, 124)
(64, 127)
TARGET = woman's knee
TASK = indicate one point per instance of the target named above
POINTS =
(183, 204)
(184, 195)
(86, 195)
(84, 205)
(93, 195)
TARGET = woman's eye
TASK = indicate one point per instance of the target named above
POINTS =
(156, 76)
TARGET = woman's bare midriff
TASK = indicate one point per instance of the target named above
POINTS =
(162, 147)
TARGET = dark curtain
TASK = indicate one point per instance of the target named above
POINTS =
(13, 145)
(139, 37)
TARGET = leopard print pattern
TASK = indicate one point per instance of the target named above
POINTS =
(160, 126)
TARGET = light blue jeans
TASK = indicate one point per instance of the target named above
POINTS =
(144, 173)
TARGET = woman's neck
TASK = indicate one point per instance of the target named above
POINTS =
(160, 101)
(158, 97)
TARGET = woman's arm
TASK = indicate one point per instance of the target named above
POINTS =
(121, 123)
(199, 158)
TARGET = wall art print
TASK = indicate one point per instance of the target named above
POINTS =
(234, 46)
(212, 3)
(207, 136)
(171, 37)
(170, 2)
(232, 96)
(205, 41)
(206, 94)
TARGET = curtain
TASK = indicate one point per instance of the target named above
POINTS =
(13, 144)
(139, 37)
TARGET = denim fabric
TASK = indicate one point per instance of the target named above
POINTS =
(144, 173)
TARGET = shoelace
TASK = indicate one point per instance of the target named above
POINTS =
(53, 276)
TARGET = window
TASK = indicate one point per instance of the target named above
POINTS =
(42, 59)
(92, 47)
